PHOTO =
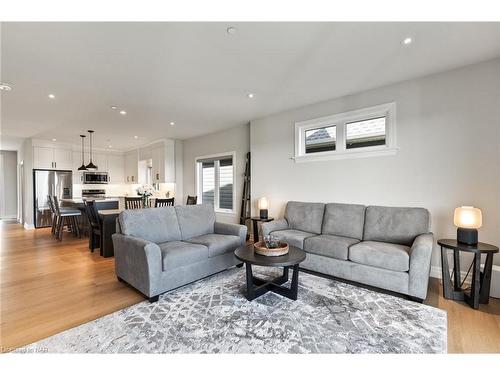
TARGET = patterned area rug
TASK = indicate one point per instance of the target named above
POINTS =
(213, 316)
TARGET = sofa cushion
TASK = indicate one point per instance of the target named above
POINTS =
(305, 216)
(381, 254)
(292, 236)
(217, 243)
(345, 220)
(195, 220)
(177, 254)
(329, 246)
(152, 224)
(399, 225)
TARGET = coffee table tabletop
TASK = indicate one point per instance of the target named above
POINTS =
(247, 254)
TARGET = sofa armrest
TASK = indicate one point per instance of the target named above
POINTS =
(232, 229)
(138, 262)
(420, 265)
(271, 226)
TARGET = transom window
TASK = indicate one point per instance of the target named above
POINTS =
(215, 181)
(365, 132)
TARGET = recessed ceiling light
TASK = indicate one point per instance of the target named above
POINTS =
(231, 30)
(5, 86)
(123, 113)
(135, 137)
(114, 107)
(172, 123)
(52, 96)
(407, 40)
(250, 96)
(53, 139)
(110, 146)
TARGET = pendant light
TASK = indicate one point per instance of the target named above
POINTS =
(91, 165)
(83, 167)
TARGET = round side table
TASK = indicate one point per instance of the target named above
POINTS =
(481, 281)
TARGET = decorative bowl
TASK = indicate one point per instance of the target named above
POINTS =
(261, 249)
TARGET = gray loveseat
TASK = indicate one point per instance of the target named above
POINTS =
(385, 247)
(159, 249)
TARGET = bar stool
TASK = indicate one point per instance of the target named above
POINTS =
(53, 215)
(66, 217)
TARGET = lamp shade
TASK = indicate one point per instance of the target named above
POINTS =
(263, 203)
(468, 217)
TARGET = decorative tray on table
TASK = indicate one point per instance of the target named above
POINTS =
(271, 248)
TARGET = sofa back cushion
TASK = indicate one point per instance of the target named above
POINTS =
(398, 225)
(345, 220)
(195, 220)
(152, 224)
(305, 216)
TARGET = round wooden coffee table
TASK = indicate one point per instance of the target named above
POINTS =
(256, 286)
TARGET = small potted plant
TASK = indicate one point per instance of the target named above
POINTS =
(145, 191)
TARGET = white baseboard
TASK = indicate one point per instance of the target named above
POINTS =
(28, 226)
(495, 278)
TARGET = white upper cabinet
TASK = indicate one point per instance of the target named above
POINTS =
(52, 158)
(131, 167)
(116, 167)
(100, 159)
(77, 163)
(163, 158)
(43, 158)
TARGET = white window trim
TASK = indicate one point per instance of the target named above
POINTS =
(339, 120)
(199, 191)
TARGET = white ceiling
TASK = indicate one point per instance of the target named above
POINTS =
(198, 76)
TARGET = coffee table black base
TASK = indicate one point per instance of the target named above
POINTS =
(257, 286)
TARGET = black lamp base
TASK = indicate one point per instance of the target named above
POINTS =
(467, 236)
(263, 214)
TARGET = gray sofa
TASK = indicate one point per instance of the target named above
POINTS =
(385, 247)
(159, 249)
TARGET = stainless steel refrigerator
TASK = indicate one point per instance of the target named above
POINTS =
(55, 183)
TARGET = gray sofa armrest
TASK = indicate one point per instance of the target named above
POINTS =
(271, 226)
(420, 265)
(138, 262)
(232, 229)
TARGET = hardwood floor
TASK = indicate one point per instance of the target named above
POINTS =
(49, 286)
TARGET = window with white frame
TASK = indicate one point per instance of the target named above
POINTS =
(215, 181)
(363, 132)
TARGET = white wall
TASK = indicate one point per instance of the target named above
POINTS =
(448, 132)
(234, 139)
(8, 184)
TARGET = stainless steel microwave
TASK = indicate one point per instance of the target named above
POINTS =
(95, 177)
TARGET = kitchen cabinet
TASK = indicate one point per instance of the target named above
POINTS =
(100, 159)
(77, 163)
(131, 167)
(52, 158)
(163, 162)
(116, 169)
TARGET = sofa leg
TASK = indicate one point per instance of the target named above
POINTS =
(119, 278)
(153, 299)
(239, 265)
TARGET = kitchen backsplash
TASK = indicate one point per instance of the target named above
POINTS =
(123, 190)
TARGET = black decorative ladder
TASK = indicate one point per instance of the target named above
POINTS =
(245, 199)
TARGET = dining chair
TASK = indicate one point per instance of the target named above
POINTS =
(132, 203)
(192, 199)
(53, 215)
(159, 202)
(66, 216)
(95, 235)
